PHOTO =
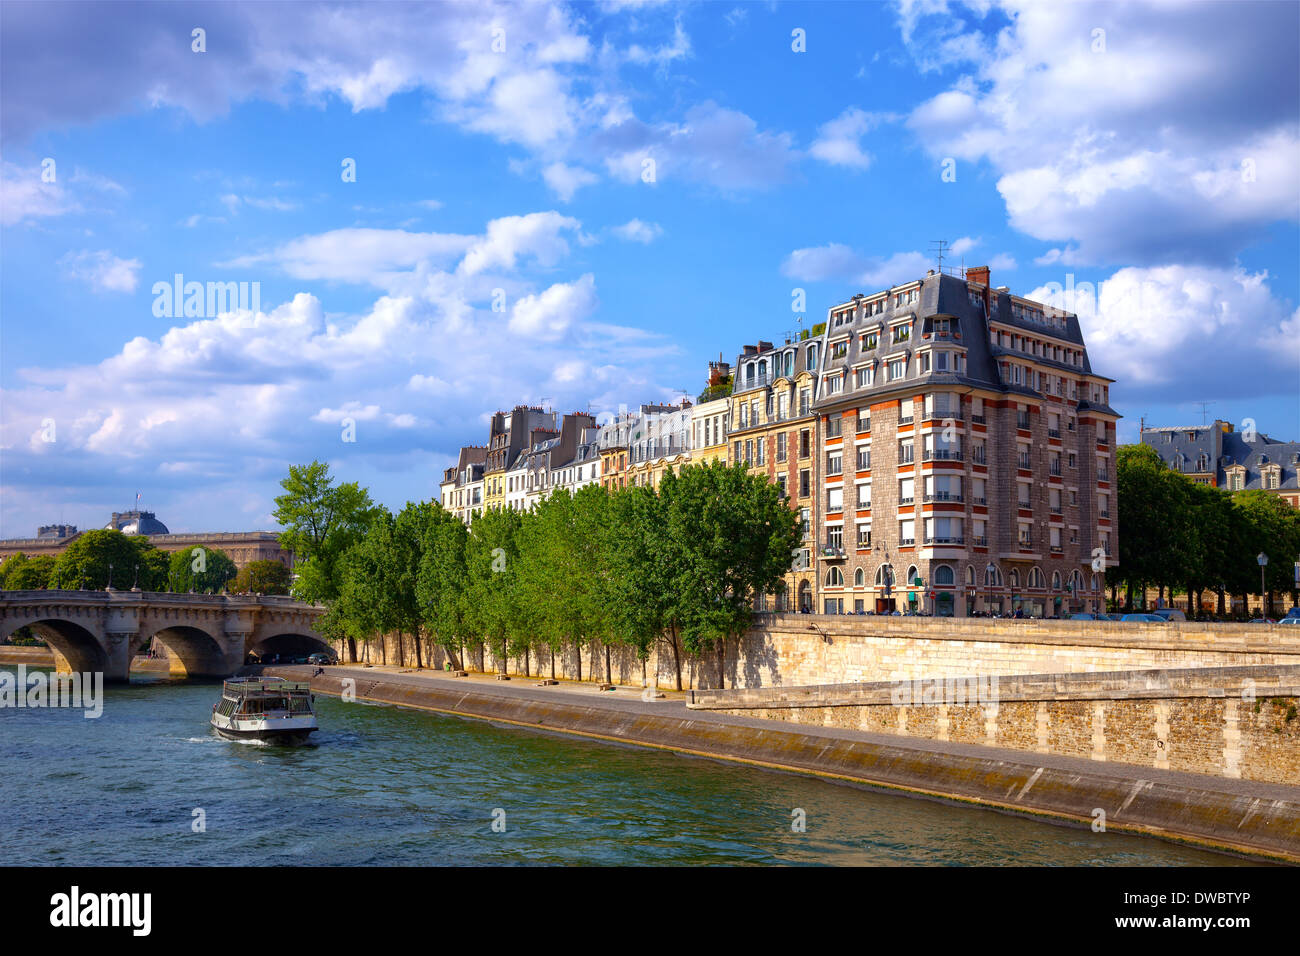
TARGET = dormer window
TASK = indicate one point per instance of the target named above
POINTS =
(870, 340)
(900, 333)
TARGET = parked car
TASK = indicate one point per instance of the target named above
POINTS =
(1289, 621)
(1087, 616)
(1170, 614)
(1143, 618)
(1112, 617)
(320, 659)
(1263, 620)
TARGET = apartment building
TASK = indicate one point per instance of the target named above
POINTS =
(659, 442)
(461, 489)
(549, 453)
(968, 453)
(510, 433)
(772, 429)
(1219, 456)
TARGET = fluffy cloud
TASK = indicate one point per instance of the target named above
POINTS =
(839, 263)
(1176, 333)
(1170, 135)
(839, 142)
(231, 400)
(634, 230)
(565, 180)
(103, 271)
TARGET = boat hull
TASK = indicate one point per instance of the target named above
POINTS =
(287, 737)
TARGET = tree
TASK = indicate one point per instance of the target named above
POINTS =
(21, 573)
(491, 565)
(440, 583)
(737, 534)
(321, 522)
(262, 577)
(87, 563)
(365, 605)
(1155, 506)
(201, 570)
(1274, 530)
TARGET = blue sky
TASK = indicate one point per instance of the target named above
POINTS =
(1147, 156)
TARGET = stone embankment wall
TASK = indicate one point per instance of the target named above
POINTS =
(796, 649)
(1238, 722)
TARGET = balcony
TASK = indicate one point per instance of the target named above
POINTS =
(944, 496)
(1022, 421)
(980, 541)
(979, 501)
(834, 469)
(941, 454)
(833, 553)
(906, 457)
(1053, 433)
(904, 419)
(1055, 469)
(1055, 510)
(1103, 514)
(864, 463)
(978, 457)
(1023, 462)
(960, 539)
(978, 419)
(941, 415)
(906, 542)
(906, 501)
(1056, 549)
(1024, 543)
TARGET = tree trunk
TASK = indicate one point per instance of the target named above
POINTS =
(419, 655)
(677, 658)
(552, 662)
(503, 654)
(608, 678)
(578, 655)
(527, 660)
(1222, 602)
(352, 650)
(643, 680)
(722, 664)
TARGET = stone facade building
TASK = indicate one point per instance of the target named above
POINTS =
(1219, 456)
(773, 430)
(968, 445)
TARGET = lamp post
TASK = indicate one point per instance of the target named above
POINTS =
(110, 577)
(1262, 558)
(988, 583)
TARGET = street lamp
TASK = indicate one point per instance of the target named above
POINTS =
(988, 583)
(110, 577)
(1262, 558)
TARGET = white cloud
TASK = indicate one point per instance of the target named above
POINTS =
(536, 235)
(634, 230)
(103, 271)
(565, 180)
(551, 314)
(1174, 143)
(359, 255)
(1181, 332)
(839, 142)
(838, 262)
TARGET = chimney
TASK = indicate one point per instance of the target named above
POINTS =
(979, 275)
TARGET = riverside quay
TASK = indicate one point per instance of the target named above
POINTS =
(947, 445)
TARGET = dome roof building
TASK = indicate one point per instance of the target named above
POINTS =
(136, 522)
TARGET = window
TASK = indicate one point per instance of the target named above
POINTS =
(884, 576)
(781, 485)
(896, 369)
(1054, 538)
(866, 377)
(905, 451)
(1024, 538)
(1022, 493)
(864, 459)
(835, 537)
(839, 349)
(864, 536)
(760, 451)
(977, 491)
(906, 491)
(749, 451)
(864, 496)
(906, 533)
(943, 530)
(805, 443)
(1036, 578)
(812, 358)
(835, 578)
(943, 488)
(804, 484)
(1013, 578)
(859, 578)
(870, 340)
(781, 441)
(833, 426)
(805, 519)
(835, 499)
(943, 575)
(804, 399)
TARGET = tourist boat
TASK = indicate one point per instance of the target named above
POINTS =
(265, 708)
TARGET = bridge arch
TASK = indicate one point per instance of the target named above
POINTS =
(192, 651)
(76, 648)
(290, 643)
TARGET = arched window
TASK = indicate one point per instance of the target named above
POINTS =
(1014, 577)
(943, 575)
(970, 575)
(1095, 585)
(749, 374)
(762, 369)
(992, 576)
(859, 578)
(1035, 578)
(1056, 580)
(834, 578)
(884, 576)
(911, 576)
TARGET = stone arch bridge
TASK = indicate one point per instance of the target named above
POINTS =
(206, 635)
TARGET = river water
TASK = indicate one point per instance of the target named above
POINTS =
(383, 785)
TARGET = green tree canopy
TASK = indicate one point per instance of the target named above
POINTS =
(85, 563)
(262, 577)
(21, 573)
(201, 570)
(321, 521)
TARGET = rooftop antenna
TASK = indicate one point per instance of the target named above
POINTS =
(940, 248)
(1204, 407)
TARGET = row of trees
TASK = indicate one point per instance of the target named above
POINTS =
(1181, 537)
(96, 559)
(678, 567)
